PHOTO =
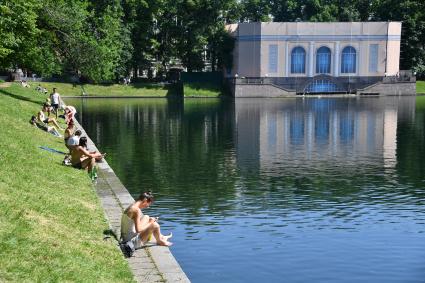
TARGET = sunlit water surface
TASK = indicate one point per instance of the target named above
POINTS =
(276, 190)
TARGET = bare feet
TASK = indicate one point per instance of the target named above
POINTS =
(165, 238)
(164, 243)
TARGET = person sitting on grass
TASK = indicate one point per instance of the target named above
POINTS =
(70, 112)
(42, 118)
(73, 141)
(48, 129)
(69, 132)
(137, 227)
(24, 83)
(81, 158)
(97, 155)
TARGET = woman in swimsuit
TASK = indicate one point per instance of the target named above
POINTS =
(69, 132)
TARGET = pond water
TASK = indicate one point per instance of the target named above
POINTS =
(276, 190)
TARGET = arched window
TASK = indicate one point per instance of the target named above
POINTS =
(348, 60)
(323, 60)
(298, 60)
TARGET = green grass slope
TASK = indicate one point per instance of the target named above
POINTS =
(201, 90)
(137, 89)
(51, 221)
(420, 87)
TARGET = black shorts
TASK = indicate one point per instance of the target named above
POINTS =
(79, 165)
(45, 121)
(55, 106)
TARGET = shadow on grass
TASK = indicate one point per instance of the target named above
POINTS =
(134, 85)
(20, 97)
(110, 233)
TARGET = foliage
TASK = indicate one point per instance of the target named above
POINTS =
(104, 40)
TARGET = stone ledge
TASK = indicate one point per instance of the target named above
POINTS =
(150, 264)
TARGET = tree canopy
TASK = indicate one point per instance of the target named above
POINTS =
(105, 39)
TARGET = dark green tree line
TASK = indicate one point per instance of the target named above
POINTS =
(106, 39)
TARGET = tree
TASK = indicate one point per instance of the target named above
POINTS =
(412, 15)
(23, 44)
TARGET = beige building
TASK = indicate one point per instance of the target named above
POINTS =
(303, 57)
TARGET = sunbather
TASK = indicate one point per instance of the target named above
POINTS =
(97, 155)
(49, 129)
(69, 113)
(81, 158)
(42, 118)
(137, 227)
(69, 132)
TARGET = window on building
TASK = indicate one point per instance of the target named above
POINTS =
(273, 58)
(322, 86)
(298, 60)
(373, 58)
(323, 60)
(348, 60)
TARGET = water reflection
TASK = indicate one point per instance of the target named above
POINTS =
(290, 181)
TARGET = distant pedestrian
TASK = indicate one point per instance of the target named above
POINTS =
(55, 100)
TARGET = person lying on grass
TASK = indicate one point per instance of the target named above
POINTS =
(81, 158)
(46, 120)
(50, 129)
(138, 227)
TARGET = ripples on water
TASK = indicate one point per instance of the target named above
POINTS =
(294, 190)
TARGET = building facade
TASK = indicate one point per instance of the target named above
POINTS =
(305, 57)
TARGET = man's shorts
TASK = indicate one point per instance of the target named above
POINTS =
(55, 106)
(137, 241)
(79, 165)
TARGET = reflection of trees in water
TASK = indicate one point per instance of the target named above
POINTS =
(411, 151)
(180, 150)
(213, 158)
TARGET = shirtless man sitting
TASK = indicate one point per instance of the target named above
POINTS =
(81, 158)
(137, 227)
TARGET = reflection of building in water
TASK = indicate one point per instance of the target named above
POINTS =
(334, 132)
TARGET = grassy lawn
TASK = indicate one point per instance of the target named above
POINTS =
(51, 221)
(201, 89)
(420, 87)
(137, 89)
